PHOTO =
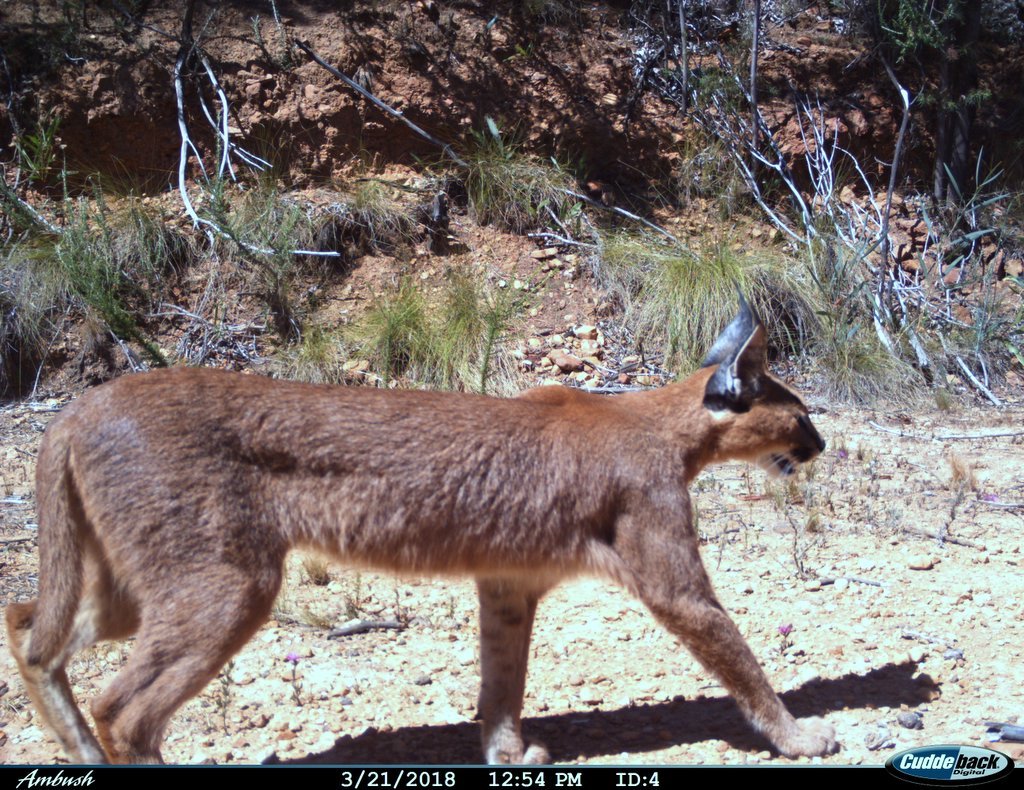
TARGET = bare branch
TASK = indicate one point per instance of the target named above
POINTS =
(977, 383)
(621, 212)
(447, 149)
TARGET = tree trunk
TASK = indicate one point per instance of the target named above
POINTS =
(958, 79)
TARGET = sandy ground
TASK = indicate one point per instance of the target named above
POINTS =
(883, 619)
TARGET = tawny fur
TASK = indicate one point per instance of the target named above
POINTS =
(168, 501)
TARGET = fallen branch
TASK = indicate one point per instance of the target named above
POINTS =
(447, 149)
(34, 216)
(944, 437)
(560, 239)
(981, 387)
(952, 436)
(363, 626)
(832, 580)
(917, 636)
(6, 541)
(922, 533)
(621, 212)
(898, 432)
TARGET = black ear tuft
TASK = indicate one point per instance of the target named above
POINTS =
(734, 335)
(739, 353)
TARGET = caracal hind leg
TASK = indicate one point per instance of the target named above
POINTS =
(186, 636)
(670, 578)
(507, 607)
(47, 684)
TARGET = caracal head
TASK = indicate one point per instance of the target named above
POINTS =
(758, 418)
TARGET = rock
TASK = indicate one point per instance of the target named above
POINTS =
(567, 363)
(585, 332)
(544, 254)
(812, 585)
(921, 563)
(423, 680)
(910, 720)
(881, 738)
(590, 696)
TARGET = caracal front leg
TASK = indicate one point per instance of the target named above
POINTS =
(507, 607)
(666, 569)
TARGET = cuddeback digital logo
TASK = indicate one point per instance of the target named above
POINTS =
(948, 765)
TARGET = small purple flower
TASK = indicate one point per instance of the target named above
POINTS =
(786, 630)
(989, 498)
(292, 658)
(841, 453)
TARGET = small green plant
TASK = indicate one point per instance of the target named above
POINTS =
(111, 264)
(224, 693)
(36, 151)
(311, 617)
(354, 596)
(510, 189)
(293, 659)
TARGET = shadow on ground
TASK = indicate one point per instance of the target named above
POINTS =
(644, 728)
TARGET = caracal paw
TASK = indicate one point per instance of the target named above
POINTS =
(810, 738)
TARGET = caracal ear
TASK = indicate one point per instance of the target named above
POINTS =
(739, 353)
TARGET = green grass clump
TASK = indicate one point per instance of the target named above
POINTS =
(682, 299)
(450, 340)
(509, 189)
(263, 231)
(317, 358)
(855, 363)
(108, 263)
(385, 223)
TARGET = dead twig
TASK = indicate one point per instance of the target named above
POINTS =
(917, 636)
(621, 212)
(977, 383)
(6, 541)
(953, 436)
(922, 533)
(447, 149)
(944, 437)
(560, 239)
(855, 579)
(363, 626)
